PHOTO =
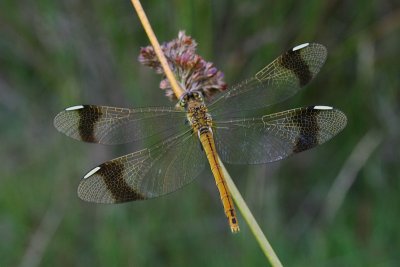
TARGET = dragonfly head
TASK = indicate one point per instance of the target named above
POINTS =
(190, 95)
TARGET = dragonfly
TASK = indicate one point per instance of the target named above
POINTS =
(199, 130)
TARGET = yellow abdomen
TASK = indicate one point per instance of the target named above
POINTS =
(207, 142)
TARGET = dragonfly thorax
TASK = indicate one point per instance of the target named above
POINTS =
(197, 112)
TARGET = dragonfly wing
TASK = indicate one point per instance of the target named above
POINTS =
(111, 125)
(144, 174)
(274, 83)
(276, 136)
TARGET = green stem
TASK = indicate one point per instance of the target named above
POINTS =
(237, 197)
(251, 221)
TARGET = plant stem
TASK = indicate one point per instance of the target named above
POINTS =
(243, 208)
(178, 91)
(251, 221)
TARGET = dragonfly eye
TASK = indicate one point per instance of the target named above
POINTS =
(197, 96)
(183, 101)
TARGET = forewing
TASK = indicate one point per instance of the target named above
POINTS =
(145, 174)
(274, 83)
(276, 136)
(111, 125)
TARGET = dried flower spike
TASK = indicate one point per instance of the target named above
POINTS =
(191, 70)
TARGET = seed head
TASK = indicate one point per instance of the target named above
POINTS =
(191, 70)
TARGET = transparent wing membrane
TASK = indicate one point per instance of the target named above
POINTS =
(147, 173)
(111, 125)
(276, 136)
(274, 83)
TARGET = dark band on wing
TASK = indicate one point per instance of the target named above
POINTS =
(293, 61)
(308, 130)
(112, 173)
(88, 116)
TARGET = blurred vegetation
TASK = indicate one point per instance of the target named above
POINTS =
(55, 54)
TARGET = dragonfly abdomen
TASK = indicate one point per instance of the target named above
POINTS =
(207, 141)
(201, 122)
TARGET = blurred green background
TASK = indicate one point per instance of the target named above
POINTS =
(336, 205)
